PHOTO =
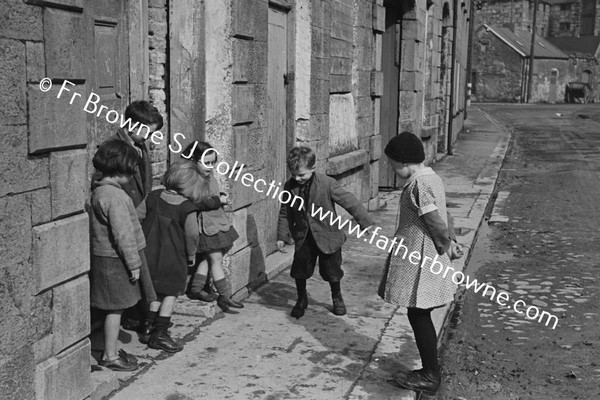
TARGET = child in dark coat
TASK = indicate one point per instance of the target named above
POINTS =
(117, 247)
(315, 238)
(171, 229)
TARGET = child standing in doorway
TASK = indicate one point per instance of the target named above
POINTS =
(171, 229)
(424, 226)
(315, 238)
(117, 247)
(217, 234)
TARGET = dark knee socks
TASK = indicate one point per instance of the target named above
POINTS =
(425, 336)
(151, 316)
(336, 289)
(198, 283)
(162, 322)
(223, 287)
(301, 287)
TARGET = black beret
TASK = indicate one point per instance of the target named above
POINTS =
(405, 148)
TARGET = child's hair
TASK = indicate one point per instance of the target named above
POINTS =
(200, 148)
(115, 157)
(184, 178)
(301, 156)
(145, 113)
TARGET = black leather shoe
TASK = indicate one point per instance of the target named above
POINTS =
(421, 380)
(120, 364)
(339, 308)
(228, 301)
(300, 307)
(161, 339)
(202, 296)
(145, 331)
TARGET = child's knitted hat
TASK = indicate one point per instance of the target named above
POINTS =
(405, 148)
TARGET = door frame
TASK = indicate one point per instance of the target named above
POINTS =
(288, 7)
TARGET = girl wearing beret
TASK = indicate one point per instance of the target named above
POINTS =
(425, 228)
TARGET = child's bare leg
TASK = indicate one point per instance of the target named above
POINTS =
(112, 325)
(161, 338)
(221, 283)
(216, 264)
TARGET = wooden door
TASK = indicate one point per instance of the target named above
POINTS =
(108, 71)
(390, 64)
(276, 143)
(277, 70)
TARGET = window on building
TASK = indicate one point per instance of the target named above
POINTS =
(586, 76)
(565, 7)
(565, 26)
(553, 76)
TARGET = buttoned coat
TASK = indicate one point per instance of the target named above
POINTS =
(324, 193)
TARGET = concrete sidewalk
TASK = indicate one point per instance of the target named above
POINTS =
(263, 353)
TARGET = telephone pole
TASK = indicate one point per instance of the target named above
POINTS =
(531, 52)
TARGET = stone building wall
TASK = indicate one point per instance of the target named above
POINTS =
(44, 241)
(498, 71)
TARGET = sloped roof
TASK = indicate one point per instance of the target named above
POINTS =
(585, 45)
(520, 41)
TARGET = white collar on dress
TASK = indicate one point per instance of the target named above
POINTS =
(422, 172)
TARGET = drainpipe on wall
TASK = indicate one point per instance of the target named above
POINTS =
(453, 76)
(469, 56)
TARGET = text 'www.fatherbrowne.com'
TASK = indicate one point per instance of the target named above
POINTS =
(436, 267)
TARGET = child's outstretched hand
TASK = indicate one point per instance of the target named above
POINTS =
(224, 198)
(456, 250)
(280, 245)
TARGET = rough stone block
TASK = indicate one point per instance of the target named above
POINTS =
(318, 128)
(411, 80)
(345, 162)
(35, 61)
(240, 221)
(241, 195)
(241, 145)
(17, 375)
(364, 107)
(41, 211)
(364, 128)
(340, 83)
(377, 83)
(20, 173)
(341, 48)
(240, 269)
(71, 306)
(319, 94)
(15, 230)
(378, 51)
(342, 124)
(341, 30)
(408, 104)
(72, 4)
(67, 376)
(64, 35)
(20, 21)
(243, 104)
(241, 60)
(378, 18)
(60, 251)
(68, 180)
(376, 116)
(12, 91)
(428, 131)
(375, 147)
(42, 349)
(374, 172)
(246, 17)
(340, 66)
(48, 132)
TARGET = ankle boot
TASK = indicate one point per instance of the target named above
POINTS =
(421, 380)
(339, 308)
(161, 339)
(228, 302)
(300, 307)
(145, 331)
